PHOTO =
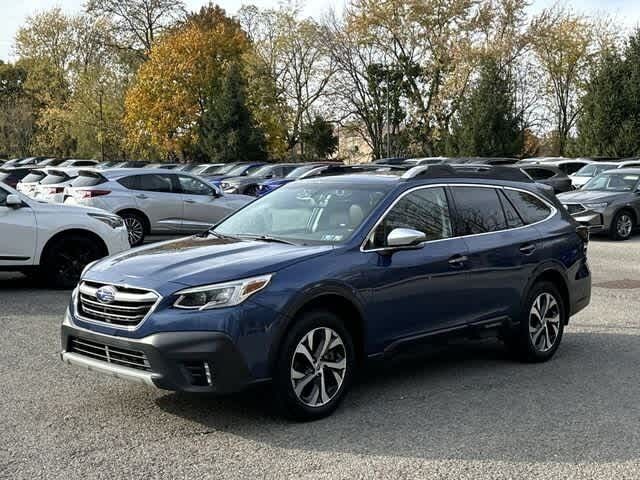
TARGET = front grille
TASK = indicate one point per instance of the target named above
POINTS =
(574, 208)
(127, 308)
(109, 354)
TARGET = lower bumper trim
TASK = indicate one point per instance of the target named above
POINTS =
(112, 370)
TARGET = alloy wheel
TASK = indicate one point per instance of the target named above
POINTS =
(544, 322)
(135, 230)
(318, 367)
(624, 225)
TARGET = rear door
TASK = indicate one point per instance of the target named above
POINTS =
(202, 208)
(156, 196)
(503, 251)
(17, 233)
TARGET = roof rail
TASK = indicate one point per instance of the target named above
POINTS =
(493, 172)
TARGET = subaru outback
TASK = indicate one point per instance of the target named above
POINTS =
(303, 285)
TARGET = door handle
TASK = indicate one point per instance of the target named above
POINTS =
(189, 201)
(528, 249)
(141, 196)
(458, 261)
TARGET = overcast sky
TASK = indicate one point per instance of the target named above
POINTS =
(14, 12)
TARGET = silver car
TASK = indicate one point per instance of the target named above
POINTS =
(609, 202)
(154, 201)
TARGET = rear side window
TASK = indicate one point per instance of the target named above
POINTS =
(425, 210)
(540, 173)
(530, 208)
(88, 180)
(148, 183)
(570, 167)
(84, 163)
(478, 210)
(513, 218)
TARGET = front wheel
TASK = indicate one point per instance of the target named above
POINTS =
(135, 228)
(621, 226)
(315, 367)
(539, 334)
(65, 260)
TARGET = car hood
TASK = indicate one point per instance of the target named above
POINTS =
(590, 196)
(198, 260)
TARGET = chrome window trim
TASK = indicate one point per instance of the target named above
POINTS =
(553, 209)
(111, 325)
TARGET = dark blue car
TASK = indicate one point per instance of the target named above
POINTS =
(304, 284)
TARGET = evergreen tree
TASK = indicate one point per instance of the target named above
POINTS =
(227, 131)
(318, 139)
(488, 124)
(610, 120)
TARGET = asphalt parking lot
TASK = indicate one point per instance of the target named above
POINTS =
(462, 412)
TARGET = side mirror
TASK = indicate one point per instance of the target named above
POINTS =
(13, 201)
(405, 237)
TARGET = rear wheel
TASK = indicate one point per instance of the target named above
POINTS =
(621, 226)
(64, 260)
(135, 227)
(315, 367)
(539, 334)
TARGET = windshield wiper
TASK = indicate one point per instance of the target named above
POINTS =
(267, 238)
(219, 235)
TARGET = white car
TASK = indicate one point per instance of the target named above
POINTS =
(586, 173)
(51, 187)
(28, 184)
(154, 200)
(56, 241)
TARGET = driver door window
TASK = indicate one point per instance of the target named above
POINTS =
(193, 186)
(425, 210)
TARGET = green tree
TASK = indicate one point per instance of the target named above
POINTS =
(16, 111)
(227, 130)
(488, 124)
(610, 120)
(318, 139)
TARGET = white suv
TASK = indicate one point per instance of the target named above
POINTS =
(57, 241)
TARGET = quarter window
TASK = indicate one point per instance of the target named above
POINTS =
(478, 210)
(425, 210)
(530, 208)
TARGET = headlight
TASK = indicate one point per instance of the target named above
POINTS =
(596, 206)
(225, 185)
(220, 294)
(113, 221)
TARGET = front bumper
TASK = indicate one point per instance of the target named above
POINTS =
(591, 219)
(174, 360)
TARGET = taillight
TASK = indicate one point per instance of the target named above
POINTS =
(92, 193)
(54, 190)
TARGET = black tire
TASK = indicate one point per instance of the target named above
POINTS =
(286, 400)
(136, 227)
(533, 346)
(251, 190)
(64, 260)
(622, 226)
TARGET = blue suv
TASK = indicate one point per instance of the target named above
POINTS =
(304, 284)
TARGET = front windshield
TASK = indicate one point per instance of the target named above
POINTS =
(262, 171)
(306, 213)
(613, 182)
(297, 172)
(592, 170)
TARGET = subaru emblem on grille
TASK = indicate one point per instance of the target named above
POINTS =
(106, 294)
